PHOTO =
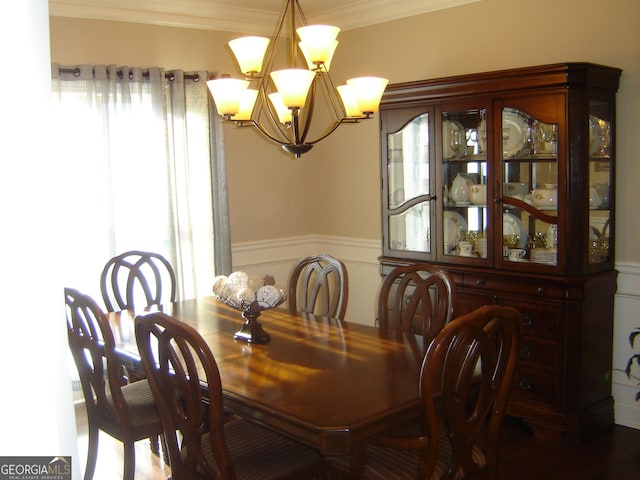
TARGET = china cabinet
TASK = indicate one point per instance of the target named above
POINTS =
(506, 180)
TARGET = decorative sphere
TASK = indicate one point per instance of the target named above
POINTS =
(267, 296)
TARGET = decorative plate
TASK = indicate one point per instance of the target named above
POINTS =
(596, 129)
(514, 132)
(512, 225)
(454, 223)
(451, 145)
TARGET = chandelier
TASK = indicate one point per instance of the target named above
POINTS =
(280, 103)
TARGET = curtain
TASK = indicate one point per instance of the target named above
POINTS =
(143, 169)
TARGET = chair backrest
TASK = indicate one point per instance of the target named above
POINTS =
(137, 279)
(319, 284)
(92, 345)
(464, 385)
(178, 362)
(419, 298)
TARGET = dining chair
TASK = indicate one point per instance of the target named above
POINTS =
(127, 412)
(137, 279)
(419, 298)
(465, 381)
(200, 443)
(319, 284)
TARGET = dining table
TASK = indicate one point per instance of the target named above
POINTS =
(327, 383)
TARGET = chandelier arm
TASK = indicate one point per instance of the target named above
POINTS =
(292, 31)
(300, 12)
(332, 128)
(272, 116)
(295, 125)
(309, 112)
(264, 131)
(332, 96)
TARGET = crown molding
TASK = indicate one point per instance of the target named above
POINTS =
(371, 12)
(223, 17)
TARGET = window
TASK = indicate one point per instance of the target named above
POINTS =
(141, 155)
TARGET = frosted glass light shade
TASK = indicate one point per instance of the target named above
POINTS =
(318, 42)
(349, 101)
(249, 52)
(368, 92)
(247, 102)
(284, 114)
(316, 55)
(293, 84)
(227, 93)
(318, 33)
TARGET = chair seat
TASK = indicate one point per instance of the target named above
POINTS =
(261, 454)
(140, 402)
(390, 463)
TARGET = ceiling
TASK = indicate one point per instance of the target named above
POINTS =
(258, 16)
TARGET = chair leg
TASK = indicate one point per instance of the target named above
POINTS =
(92, 452)
(129, 461)
(165, 451)
(358, 461)
(155, 445)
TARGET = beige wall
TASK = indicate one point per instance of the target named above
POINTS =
(329, 200)
(334, 190)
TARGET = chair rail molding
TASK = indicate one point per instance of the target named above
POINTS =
(278, 256)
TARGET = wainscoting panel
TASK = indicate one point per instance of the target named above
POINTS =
(277, 257)
(626, 319)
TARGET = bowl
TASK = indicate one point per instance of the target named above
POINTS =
(544, 197)
(478, 194)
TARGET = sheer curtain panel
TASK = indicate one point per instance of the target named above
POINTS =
(143, 168)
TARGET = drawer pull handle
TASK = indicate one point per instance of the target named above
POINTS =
(527, 321)
(525, 384)
(480, 282)
(541, 290)
(526, 352)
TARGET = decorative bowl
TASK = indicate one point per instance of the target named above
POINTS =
(250, 296)
(544, 197)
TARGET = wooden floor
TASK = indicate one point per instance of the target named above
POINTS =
(109, 464)
(614, 455)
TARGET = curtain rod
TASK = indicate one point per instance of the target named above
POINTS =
(169, 76)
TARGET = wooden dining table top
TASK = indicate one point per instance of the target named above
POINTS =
(326, 383)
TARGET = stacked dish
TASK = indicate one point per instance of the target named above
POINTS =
(547, 256)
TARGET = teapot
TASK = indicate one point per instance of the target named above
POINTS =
(459, 191)
(478, 194)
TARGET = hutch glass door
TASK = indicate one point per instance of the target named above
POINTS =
(530, 189)
(600, 171)
(464, 180)
(409, 202)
